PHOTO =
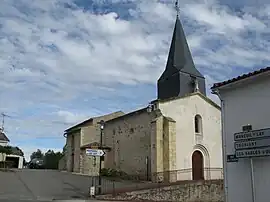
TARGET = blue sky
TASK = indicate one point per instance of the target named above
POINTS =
(62, 61)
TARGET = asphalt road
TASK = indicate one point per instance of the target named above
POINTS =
(48, 185)
(40, 185)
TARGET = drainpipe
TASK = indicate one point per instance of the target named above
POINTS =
(216, 92)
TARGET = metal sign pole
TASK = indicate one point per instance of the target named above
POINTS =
(252, 180)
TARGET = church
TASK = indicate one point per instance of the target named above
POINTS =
(175, 137)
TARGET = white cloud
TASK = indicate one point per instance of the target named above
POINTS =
(70, 117)
(62, 65)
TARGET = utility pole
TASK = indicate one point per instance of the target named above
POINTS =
(3, 120)
(101, 157)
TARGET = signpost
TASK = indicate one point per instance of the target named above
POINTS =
(94, 152)
(232, 158)
(250, 144)
(253, 143)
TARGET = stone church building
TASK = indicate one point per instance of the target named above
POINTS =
(176, 137)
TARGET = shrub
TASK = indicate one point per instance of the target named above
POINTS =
(110, 172)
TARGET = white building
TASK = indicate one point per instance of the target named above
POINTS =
(198, 135)
(17, 159)
(245, 100)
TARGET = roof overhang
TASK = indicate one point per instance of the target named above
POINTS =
(72, 130)
(241, 80)
(77, 126)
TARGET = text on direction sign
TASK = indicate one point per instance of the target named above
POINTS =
(94, 152)
(252, 144)
(252, 134)
(253, 152)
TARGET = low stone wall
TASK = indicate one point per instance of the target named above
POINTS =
(204, 191)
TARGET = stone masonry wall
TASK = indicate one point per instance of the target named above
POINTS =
(169, 149)
(157, 165)
(130, 138)
(77, 152)
(163, 149)
(69, 143)
(205, 191)
(88, 133)
(90, 165)
(91, 133)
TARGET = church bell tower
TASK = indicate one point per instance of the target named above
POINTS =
(180, 77)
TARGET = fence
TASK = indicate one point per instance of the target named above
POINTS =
(186, 174)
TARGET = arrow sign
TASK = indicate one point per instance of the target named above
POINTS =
(94, 152)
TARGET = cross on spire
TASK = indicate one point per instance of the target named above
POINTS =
(177, 8)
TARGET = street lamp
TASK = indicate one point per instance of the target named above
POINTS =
(101, 123)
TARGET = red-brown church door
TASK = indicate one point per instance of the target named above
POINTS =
(197, 166)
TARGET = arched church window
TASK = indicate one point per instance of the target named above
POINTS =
(198, 124)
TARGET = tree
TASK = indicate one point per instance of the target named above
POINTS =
(6, 149)
(51, 159)
(37, 154)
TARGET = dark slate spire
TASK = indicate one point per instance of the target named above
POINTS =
(180, 76)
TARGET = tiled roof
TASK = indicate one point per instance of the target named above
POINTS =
(79, 124)
(216, 85)
(127, 115)
(90, 120)
(3, 137)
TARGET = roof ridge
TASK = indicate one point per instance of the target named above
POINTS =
(238, 78)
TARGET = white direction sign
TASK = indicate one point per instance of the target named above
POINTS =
(252, 144)
(263, 133)
(265, 151)
(94, 152)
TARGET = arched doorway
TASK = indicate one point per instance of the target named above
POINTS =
(197, 166)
